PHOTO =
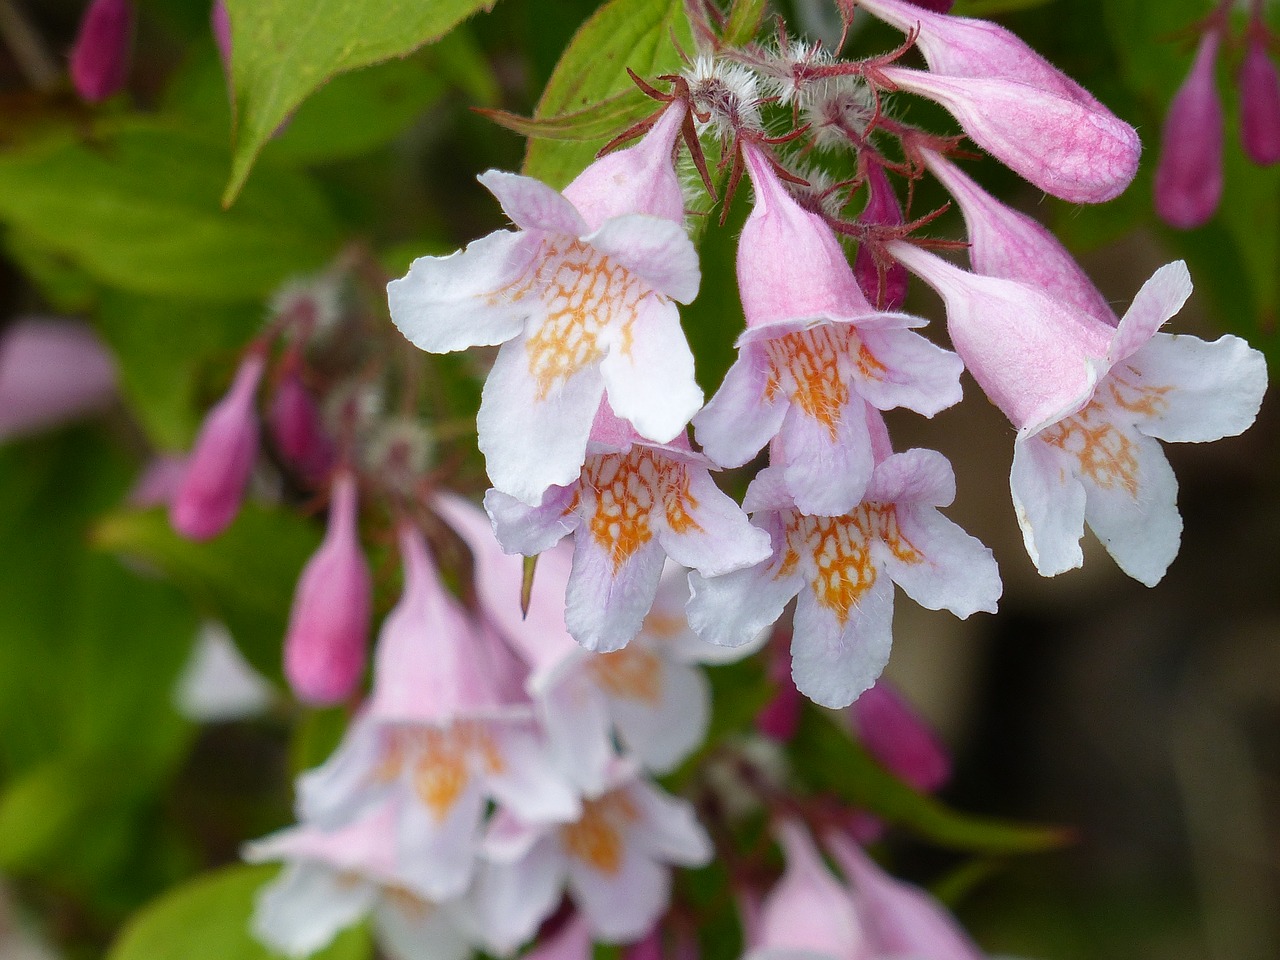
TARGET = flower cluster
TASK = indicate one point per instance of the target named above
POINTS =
(1189, 178)
(584, 414)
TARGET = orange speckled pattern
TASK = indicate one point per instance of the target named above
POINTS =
(598, 839)
(1106, 456)
(810, 365)
(627, 488)
(443, 762)
(1142, 399)
(632, 673)
(584, 292)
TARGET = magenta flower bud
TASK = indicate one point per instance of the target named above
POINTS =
(296, 428)
(324, 648)
(1259, 101)
(100, 57)
(899, 738)
(1189, 175)
(220, 462)
(51, 372)
(882, 209)
(780, 717)
(220, 23)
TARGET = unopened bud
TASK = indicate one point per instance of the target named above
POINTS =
(885, 287)
(221, 460)
(1189, 175)
(51, 372)
(296, 428)
(100, 57)
(1259, 102)
(899, 738)
(324, 648)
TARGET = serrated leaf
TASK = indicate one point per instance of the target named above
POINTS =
(245, 577)
(285, 50)
(208, 919)
(593, 69)
(137, 207)
(829, 759)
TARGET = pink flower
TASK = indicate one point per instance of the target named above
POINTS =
(888, 290)
(100, 57)
(1015, 104)
(635, 504)
(614, 859)
(849, 562)
(1090, 401)
(1188, 182)
(333, 879)
(219, 465)
(814, 354)
(439, 738)
(324, 648)
(51, 372)
(899, 738)
(1259, 100)
(298, 432)
(581, 297)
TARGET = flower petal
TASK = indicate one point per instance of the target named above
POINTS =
(741, 417)
(605, 603)
(521, 528)
(531, 442)
(1191, 391)
(649, 372)
(939, 565)
(1049, 502)
(656, 250)
(832, 662)
(304, 908)
(671, 831)
(1159, 299)
(914, 476)
(733, 609)
(711, 534)
(665, 720)
(579, 731)
(902, 369)
(621, 906)
(437, 856)
(450, 303)
(826, 474)
(341, 788)
(510, 900)
(527, 784)
(532, 205)
(418, 931)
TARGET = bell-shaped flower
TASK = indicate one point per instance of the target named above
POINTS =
(615, 860)
(100, 57)
(900, 919)
(334, 879)
(809, 912)
(1090, 401)
(324, 647)
(881, 284)
(221, 460)
(635, 504)
(218, 683)
(1006, 243)
(51, 372)
(1259, 99)
(843, 568)
(582, 298)
(814, 353)
(1188, 184)
(439, 737)
(294, 421)
(650, 696)
(900, 738)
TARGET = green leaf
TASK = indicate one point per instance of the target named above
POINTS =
(600, 121)
(42, 812)
(745, 17)
(245, 577)
(138, 208)
(285, 50)
(829, 759)
(593, 70)
(208, 919)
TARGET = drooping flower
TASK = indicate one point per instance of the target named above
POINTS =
(635, 504)
(333, 879)
(581, 298)
(324, 647)
(439, 737)
(1090, 401)
(614, 860)
(100, 57)
(651, 697)
(843, 567)
(296, 428)
(1259, 99)
(222, 458)
(1188, 184)
(51, 372)
(814, 354)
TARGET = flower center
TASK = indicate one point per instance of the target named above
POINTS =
(597, 839)
(1107, 457)
(627, 486)
(632, 673)
(813, 367)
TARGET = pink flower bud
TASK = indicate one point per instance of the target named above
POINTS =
(220, 23)
(1259, 101)
(882, 209)
(899, 738)
(221, 460)
(650, 948)
(780, 717)
(296, 428)
(100, 57)
(159, 482)
(51, 372)
(324, 648)
(1189, 175)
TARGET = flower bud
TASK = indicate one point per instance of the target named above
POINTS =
(324, 648)
(1189, 175)
(221, 460)
(899, 738)
(50, 373)
(882, 209)
(294, 422)
(1259, 102)
(220, 24)
(100, 57)
(779, 719)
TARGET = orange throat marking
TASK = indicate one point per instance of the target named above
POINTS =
(628, 487)
(1107, 457)
(813, 367)
(632, 673)
(598, 839)
(441, 762)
